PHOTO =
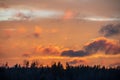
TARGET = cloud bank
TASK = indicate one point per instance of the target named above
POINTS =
(93, 18)
(99, 45)
(11, 14)
(16, 14)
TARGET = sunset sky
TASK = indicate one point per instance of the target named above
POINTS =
(74, 31)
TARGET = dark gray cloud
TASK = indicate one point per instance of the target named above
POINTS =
(76, 61)
(101, 44)
(110, 30)
(72, 53)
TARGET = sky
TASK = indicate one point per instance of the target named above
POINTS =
(74, 31)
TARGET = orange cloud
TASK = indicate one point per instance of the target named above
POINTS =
(37, 31)
(68, 15)
(48, 50)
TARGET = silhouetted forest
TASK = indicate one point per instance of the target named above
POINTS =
(58, 72)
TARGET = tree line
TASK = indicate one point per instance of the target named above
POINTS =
(57, 72)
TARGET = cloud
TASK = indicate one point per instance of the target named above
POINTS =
(17, 14)
(68, 15)
(37, 31)
(94, 18)
(76, 61)
(110, 30)
(22, 15)
(72, 53)
(11, 14)
(47, 50)
(102, 44)
(26, 55)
